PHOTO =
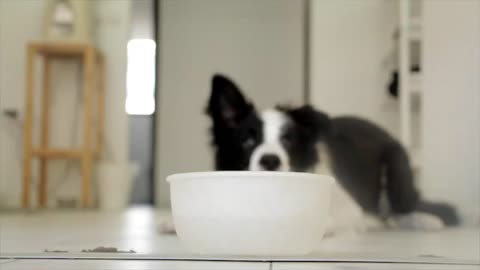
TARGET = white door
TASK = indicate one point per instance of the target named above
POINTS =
(451, 124)
(260, 44)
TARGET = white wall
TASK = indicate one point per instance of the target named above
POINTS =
(12, 59)
(451, 87)
(258, 43)
(21, 21)
(351, 61)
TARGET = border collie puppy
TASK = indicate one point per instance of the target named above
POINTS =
(370, 166)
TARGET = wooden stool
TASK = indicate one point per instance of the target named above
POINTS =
(93, 73)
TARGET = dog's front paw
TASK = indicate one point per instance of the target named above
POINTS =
(354, 226)
(167, 226)
(417, 221)
(345, 229)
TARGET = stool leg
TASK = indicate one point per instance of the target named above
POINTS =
(42, 191)
(100, 104)
(27, 132)
(88, 73)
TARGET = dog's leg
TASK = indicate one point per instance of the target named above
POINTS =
(416, 221)
(347, 217)
(402, 195)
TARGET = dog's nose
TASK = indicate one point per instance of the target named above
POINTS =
(270, 162)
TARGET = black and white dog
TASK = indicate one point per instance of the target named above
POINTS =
(369, 165)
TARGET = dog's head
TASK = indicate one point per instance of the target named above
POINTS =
(280, 139)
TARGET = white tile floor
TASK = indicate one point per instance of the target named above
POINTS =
(118, 265)
(25, 236)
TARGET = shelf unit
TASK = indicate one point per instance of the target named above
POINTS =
(410, 86)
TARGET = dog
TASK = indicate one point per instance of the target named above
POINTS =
(374, 180)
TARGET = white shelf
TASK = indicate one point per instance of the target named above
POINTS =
(415, 83)
(415, 29)
(409, 82)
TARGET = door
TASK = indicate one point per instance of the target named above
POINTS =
(260, 44)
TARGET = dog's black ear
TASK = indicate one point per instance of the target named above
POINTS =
(316, 124)
(227, 105)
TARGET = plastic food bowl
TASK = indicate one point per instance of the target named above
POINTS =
(250, 213)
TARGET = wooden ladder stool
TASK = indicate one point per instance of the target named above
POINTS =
(93, 83)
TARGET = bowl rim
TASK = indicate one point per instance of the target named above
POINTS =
(215, 174)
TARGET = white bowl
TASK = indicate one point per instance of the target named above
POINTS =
(250, 213)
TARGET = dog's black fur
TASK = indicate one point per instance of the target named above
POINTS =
(365, 159)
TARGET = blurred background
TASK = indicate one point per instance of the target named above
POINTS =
(345, 57)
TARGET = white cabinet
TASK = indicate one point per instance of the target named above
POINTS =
(451, 104)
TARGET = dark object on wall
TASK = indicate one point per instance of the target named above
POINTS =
(394, 84)
(10, 113)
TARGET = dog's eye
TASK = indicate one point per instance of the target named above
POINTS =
(248, 143)
(286, 139)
